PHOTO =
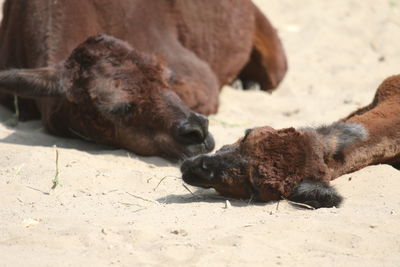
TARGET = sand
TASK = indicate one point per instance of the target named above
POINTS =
(115, 208)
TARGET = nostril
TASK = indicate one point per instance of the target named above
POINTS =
(204, 165)
(204, 170)
(191, 134)
(197, 168)
(195, 135)
(203, 121)
(191, 163)
(194, 130)
(186, 165)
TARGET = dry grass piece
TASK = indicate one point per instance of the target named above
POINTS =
(142, 198)
(162, 179)
(56, 180)
(193, 194)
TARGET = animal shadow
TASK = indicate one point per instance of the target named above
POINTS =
(207, 196)
(32, 133)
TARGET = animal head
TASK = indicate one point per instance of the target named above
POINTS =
(269, 164)
(117, 95)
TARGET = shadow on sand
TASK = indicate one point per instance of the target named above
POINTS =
(32, 133)
(208, 196)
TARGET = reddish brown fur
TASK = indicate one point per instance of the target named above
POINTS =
(269, 163)
(194, 48)
(381, 119)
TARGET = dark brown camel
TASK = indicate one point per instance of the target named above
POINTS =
(269, 164)
(145, 93)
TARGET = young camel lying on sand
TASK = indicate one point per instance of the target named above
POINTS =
(297, 164)
(146, 84)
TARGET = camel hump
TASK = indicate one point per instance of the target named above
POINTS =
(389, 89)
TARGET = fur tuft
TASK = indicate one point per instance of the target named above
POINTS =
(340, 135)
(316, 194)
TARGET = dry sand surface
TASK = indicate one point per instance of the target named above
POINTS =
(113, 207)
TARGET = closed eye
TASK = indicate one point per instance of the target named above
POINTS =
(119, 109)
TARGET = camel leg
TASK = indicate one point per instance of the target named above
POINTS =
(396, 165)
(267, 63)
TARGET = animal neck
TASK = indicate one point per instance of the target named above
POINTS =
(37, 24)
(381, 120)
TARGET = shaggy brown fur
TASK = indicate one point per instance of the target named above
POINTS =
(298, 164)
(137, 94)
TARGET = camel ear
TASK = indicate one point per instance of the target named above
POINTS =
(31, 83)
(338, 136)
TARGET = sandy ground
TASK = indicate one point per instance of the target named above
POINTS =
(113, 207)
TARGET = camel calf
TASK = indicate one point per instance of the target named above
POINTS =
(298, 164)
(146, 83)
